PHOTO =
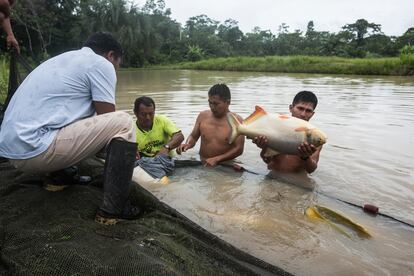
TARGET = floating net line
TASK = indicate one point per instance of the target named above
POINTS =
(54, 233)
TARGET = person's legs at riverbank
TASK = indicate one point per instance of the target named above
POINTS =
(4, 10)
(80, 140)
(75, 142)
(5, 24)
(119, 166)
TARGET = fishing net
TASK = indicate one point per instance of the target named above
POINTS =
(19, 67)
(54, 233)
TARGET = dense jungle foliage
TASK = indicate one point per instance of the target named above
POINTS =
(149, 35)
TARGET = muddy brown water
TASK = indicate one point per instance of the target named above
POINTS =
(368, 159)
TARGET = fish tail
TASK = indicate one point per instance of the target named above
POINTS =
(234, 125)
(334, 219)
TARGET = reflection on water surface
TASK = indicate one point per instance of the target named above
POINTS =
(368, 159)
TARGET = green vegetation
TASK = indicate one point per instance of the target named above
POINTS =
(407, 58)
(150, 36)
(4, 79)
(308, 64)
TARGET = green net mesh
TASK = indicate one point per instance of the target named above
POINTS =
(54, 233)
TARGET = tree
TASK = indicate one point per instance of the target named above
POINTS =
(200, 26)
(361, 28)
(338, 44)
(381, 45)
(283, 28)
(229, 32)
(313, 40)
(258, 42)
(148, 35)
(34, 31)
(289, 43)
(156, 7)
(194, 53)
(406, 39)
(202, 31)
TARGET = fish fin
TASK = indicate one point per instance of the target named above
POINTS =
(284, 116)
(338, 218)
(305, 129)
(259, 112)
(334, 218)
(270, 152)
(165, 180)
(313, 213)
(234, 125)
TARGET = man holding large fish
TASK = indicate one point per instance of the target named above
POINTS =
(289, 143)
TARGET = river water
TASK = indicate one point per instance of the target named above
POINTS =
(368, 159)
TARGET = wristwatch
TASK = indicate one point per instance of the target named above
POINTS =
(167, 147)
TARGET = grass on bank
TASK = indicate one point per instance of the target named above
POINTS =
(399, 66)
(4, 78)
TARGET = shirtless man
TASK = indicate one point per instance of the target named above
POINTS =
(302, 107)
(213, 128)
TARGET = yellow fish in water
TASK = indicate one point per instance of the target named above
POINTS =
(284, 133)
(143, 178)
(336, 220)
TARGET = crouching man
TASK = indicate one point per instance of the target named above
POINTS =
(64, 112)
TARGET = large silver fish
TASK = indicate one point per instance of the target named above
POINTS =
(284, 133)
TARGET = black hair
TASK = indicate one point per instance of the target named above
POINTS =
(147, 101)
(306, 97)
(102, 42)
(221, 90)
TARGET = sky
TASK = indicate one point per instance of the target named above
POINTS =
(395, 16)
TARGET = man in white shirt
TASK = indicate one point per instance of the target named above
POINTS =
(64, 111)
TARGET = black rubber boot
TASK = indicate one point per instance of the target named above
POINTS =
(59, 180)
(119, 166)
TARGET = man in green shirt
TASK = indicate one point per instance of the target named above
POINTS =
(156, 134)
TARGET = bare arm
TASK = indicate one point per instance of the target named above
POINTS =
(10, 39)
(174, 142)
(228, 155)
(4, 9)
(310, 156)
(261, 142)
(103, 107)
(192, 139)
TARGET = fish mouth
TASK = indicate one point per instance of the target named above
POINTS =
(320, 138)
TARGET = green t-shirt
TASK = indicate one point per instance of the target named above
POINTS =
(150, 142)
